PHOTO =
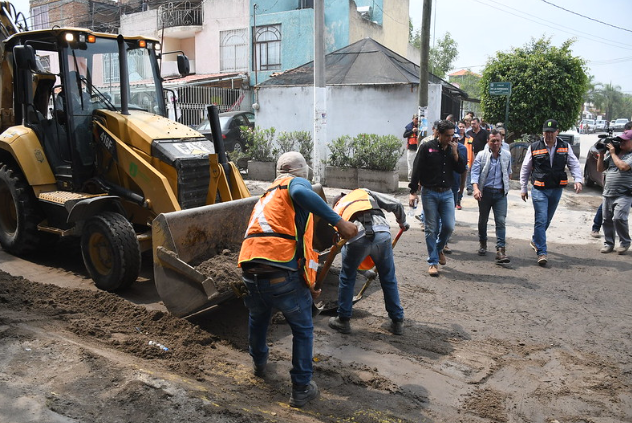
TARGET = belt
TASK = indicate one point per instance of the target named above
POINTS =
(493, 189)
(438, 189)
(273, 277)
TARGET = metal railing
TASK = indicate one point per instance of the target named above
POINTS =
(180, 14)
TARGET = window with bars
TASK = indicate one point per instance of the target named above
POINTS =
(39, 16)
(111, 72)
(233, 51)
(267, 47)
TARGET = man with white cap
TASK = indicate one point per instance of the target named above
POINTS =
(617, 191)
(279, 268)
(545, 163)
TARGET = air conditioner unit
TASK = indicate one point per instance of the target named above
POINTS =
(366, 12)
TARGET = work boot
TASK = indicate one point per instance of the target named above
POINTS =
(501, 257)
(433, 270)
(301, 395)
(482, 248)
(542, 260)
(442, 259)
(397, 327)
(447, 250)
(341, 324)
(259, 369)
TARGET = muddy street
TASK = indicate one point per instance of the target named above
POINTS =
(481, 343)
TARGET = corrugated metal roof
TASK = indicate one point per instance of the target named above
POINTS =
(365, 62)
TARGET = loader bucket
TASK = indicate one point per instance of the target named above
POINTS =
(181, 239)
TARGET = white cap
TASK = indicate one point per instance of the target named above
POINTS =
(292, 163)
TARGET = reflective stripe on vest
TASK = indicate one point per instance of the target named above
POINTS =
(272, 233)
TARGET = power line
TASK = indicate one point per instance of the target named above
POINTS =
(587, 17)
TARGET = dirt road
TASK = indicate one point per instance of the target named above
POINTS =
(482, 343)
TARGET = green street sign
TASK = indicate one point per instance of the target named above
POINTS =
(500, 88)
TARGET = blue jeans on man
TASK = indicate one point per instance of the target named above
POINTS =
(492, 199)
(291, 296)
(381, 251)
(545, 203)
(439, 215)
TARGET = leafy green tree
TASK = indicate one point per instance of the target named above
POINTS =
(443, 55)
(548, 82)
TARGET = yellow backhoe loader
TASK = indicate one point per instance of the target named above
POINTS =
(86, 150)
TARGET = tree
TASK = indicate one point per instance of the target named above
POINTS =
(443, 55)
(548, 82)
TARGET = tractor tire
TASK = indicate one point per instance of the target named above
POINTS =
(518, 150)
(19, 213)
(587, 181)
(110, 251)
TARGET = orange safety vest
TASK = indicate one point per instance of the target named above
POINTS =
(412, 140)
(470, 152)
(356, 201)
(272, 233)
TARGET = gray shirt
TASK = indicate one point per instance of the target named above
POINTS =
(617, 183)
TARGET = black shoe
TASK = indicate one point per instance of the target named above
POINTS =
(259, 370)
(301, 395)
(397, 327)
(342, 326)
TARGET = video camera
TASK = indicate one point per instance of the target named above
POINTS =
(605, 139)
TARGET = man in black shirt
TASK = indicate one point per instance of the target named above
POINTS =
(433, 170)
(479, 140)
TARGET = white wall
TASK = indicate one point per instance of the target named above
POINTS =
(350, 110)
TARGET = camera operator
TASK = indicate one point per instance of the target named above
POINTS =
(616, 164)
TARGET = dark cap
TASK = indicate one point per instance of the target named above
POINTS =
(550, 126)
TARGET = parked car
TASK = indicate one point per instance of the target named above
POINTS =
(587, 126)
(619, 124)
(572, 137)
(600, 125)
(612, 123)
(230, 122)
(592, 176)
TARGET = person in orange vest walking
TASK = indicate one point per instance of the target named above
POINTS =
(411, 134)
(372, 246)
(279, 268)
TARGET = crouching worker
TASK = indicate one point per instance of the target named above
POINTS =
(373, 241)
(279, 268)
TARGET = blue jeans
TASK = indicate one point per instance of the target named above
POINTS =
(381, 251)
(496, 200)
(545, 203)
(288, 294)
(598, 220)
(439, 215)
(455, 188)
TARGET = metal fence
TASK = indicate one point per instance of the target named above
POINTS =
(193, 100)
(180, 14)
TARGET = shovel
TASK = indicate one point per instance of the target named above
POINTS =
(371, 274)
(333, 252)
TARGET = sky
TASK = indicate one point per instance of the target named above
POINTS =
(483, 27)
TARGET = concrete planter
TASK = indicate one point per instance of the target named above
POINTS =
(341, 177)
(261, 171)
(378, 180)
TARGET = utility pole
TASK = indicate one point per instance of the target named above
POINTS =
(320, 92)
(423, 64)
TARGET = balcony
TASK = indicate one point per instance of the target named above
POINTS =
(180, 20)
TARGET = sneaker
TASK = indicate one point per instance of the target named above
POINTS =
(397, 327)
(533, 246)
(342, 326)
(482, 248)
(607, 249)
(458, 207)
(418, 217)
(442, 259)
(542, 260)
(259, 369)
(621, 250)
(433, 270)
(469, 192)
(595, 234)
(301, 395)
(447, 250)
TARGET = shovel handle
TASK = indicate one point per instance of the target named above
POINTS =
(333, 252)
